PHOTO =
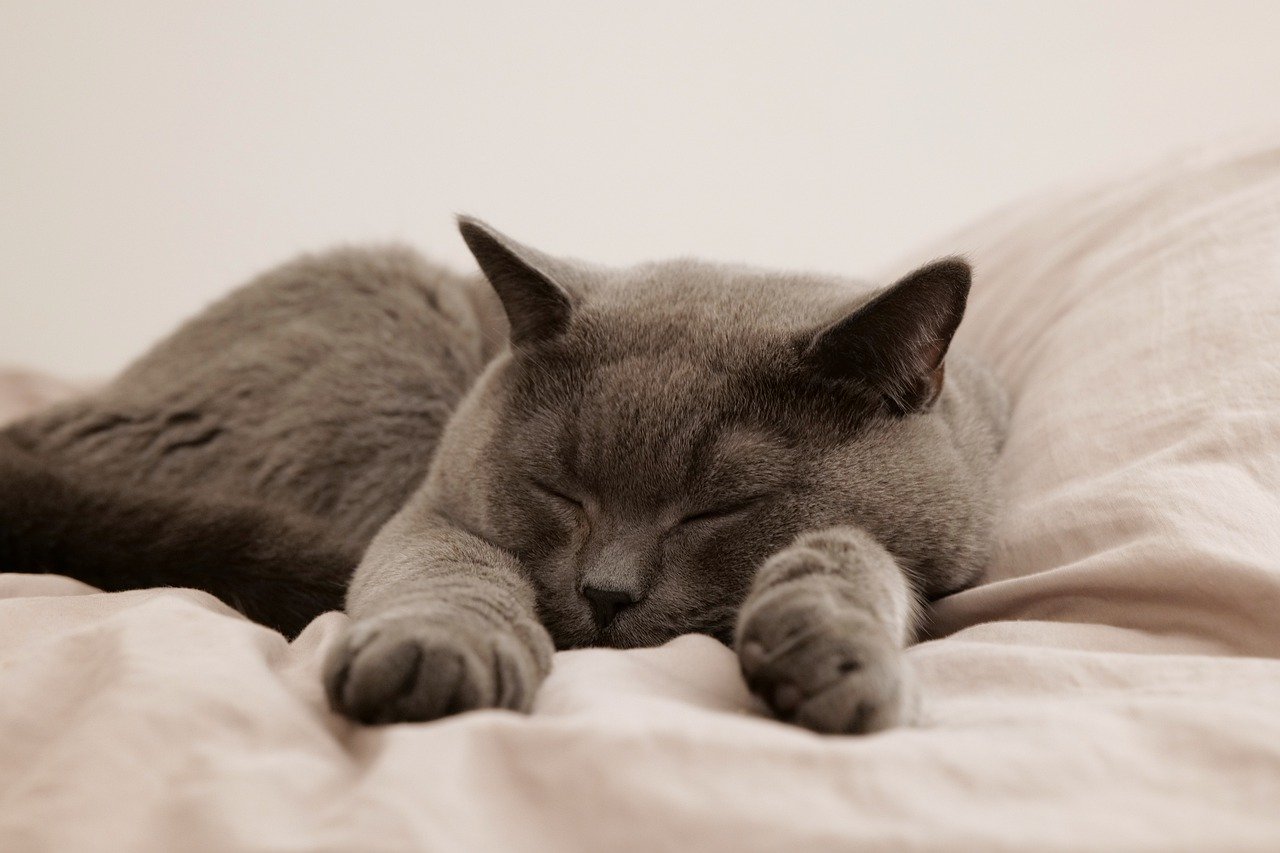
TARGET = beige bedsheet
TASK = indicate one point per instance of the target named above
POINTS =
(1115, 684)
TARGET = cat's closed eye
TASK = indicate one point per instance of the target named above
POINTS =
(722, 512)
(556, 494)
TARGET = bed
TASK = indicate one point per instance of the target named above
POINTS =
(1114, 682)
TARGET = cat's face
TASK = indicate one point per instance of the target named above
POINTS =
(642, 478)
(655, 434)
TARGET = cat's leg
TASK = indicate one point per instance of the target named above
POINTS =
(279, 568)
(821, 634)
(443, 622)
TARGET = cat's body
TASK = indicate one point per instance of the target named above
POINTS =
(260, 445)
(618, 475)
(322, 387)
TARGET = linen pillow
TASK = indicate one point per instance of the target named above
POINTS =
(1137, 327)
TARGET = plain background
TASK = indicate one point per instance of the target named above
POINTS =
(153, 155)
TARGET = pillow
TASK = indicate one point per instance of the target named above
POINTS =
(1137, 327)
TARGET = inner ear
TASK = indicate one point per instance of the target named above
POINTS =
(896, 343)
(537, 307)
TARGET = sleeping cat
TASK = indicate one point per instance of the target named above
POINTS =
(557, 455)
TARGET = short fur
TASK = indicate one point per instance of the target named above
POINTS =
(566, 455)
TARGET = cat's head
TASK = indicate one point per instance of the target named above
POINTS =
(653, 434)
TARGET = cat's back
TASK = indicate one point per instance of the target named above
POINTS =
(322, 384)
(376, 302)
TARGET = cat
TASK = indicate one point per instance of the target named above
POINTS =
(552, 455)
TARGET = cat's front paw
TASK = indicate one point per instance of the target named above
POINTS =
(414, 667)
(827, 667)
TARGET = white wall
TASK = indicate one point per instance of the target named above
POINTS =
(154, 154)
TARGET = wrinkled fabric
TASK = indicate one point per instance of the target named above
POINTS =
(1114, 683)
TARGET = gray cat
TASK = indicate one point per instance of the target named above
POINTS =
(594, 457)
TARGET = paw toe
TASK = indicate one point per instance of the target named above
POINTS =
(415, 671)
(379, 677)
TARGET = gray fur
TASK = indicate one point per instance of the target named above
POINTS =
(770, 458)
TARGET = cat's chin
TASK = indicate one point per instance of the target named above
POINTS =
(637, 636)
(617, 636)
(605, 640)
(634, 630)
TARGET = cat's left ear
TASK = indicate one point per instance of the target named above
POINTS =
(895, 344)
(528, 282)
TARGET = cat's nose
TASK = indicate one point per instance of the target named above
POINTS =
(605, 603)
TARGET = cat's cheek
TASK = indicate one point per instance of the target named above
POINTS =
(541, 533)
(570, 626)
(580, 530)
(720, 556)
(553, 567)
(568, 524)
(563, 537)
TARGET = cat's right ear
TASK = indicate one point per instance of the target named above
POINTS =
(895, 344)
(538, 308)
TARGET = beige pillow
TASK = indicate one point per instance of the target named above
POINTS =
(1137, 327)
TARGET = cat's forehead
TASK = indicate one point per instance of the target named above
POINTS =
(727, 293)
(648, 390)
(668, 353)
(647, 427)
(720, 314)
